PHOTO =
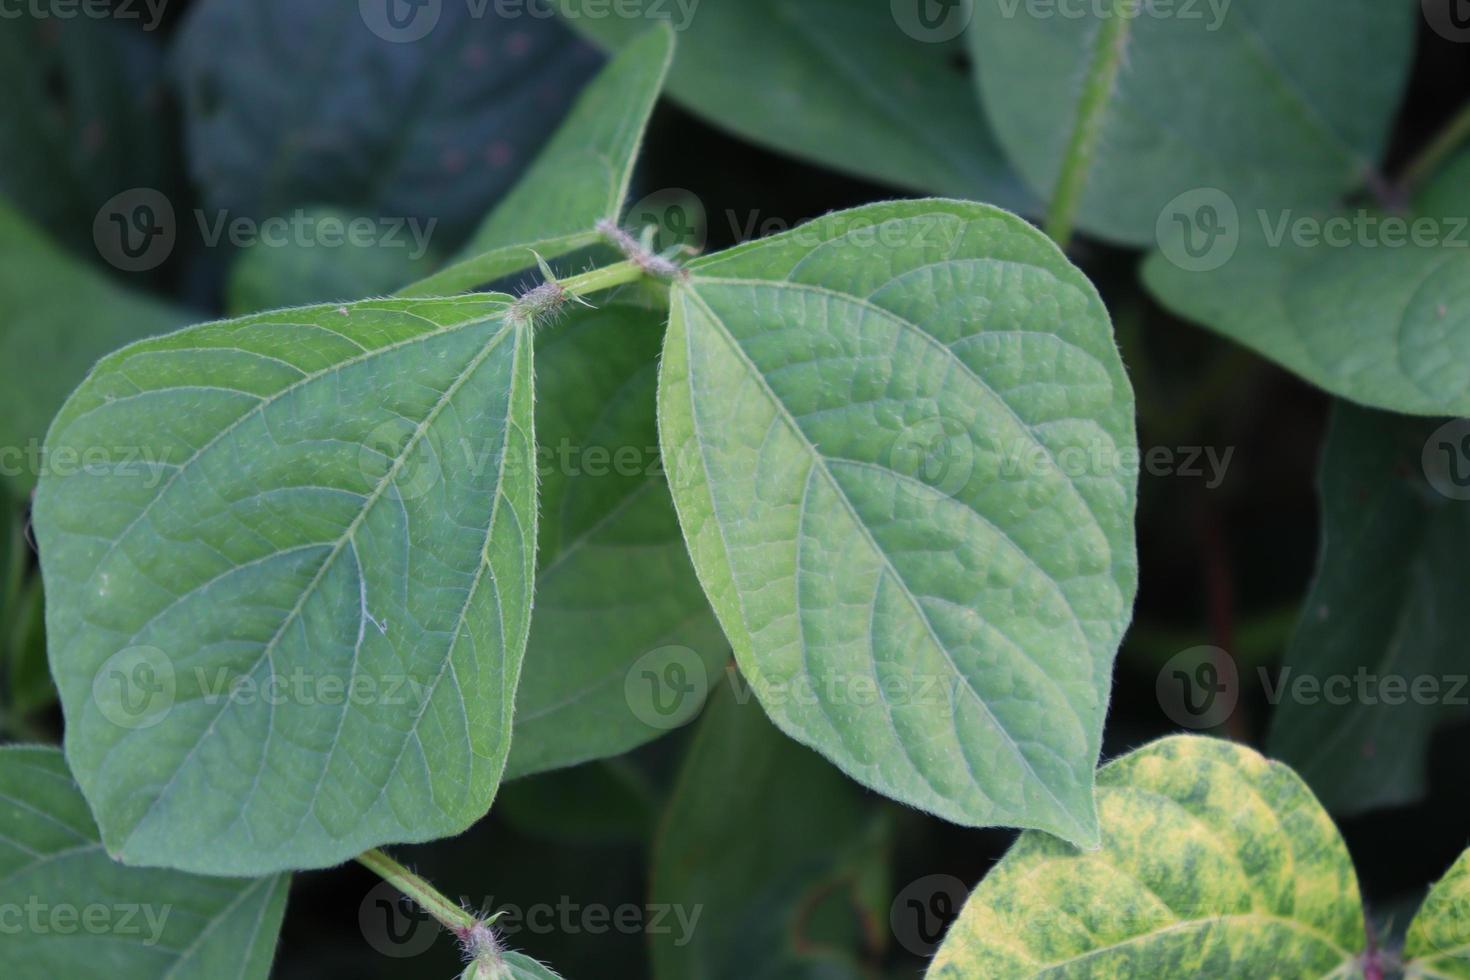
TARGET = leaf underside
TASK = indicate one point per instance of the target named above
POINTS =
(864, 447)
(289, 596)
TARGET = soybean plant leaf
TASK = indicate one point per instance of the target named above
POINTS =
(428, 116)
(1438, 944)
(289, 593)
(758, 833)
(85, 118)
(1249, 97)
(342, 257)
(623, 643)
(81, 914)
(1386, 611)
(520, 967)
(1370, 307)
(847, 85)
(61, 316)
(894, 438)
(580, 178)
(1214, 863)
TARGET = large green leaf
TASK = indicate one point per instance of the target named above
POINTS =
(290, 103)
(895, 439)
(71, 911)
(85, 118)
(287, 626)
(1385, 616)
(1214, 863)
(582, 176)
(1375, 318)
(615, 596)
(758, 835)
(1253, 97)
(829, 80)
(60, 317)
(1438, 944)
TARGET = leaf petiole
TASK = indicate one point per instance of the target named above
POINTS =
(429, 898)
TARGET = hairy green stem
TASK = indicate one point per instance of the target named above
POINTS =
(444, 911)
(596, 280)
(1433, 156)
(1097, 88)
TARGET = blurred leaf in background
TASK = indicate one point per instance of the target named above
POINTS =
(778, 854)
(1386, 614)
(290, 103)
(832, 81)
(85, 117)
(307, 268)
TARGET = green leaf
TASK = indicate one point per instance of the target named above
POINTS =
(1252, 97)
(830, 81)
(86, 117)
(289, 594)
(1214, 863)
(896, 439)
(1386, 614)
(61, 316)
(1383, 325)
(1438, 944)
(580, 178)
(598, 625)
(788, 832)
(331, 263)
(290, 104)
(80, 914)
(515, 966)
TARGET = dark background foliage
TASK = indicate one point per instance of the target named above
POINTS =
(1225, 566)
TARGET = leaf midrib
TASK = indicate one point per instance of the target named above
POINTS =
(1205, 922)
